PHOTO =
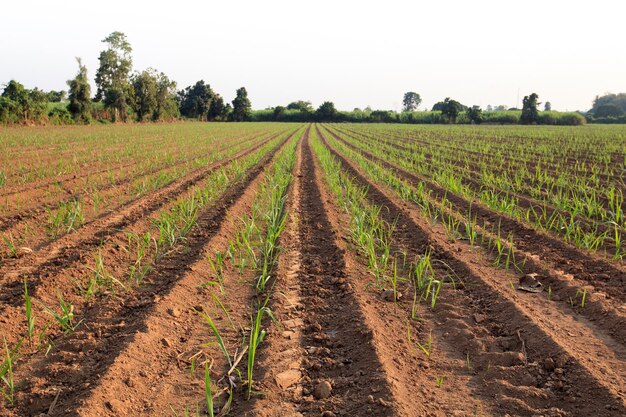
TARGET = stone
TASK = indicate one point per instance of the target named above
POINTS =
(322, 390)
(479, 318)
(388, 295)
(549, 364)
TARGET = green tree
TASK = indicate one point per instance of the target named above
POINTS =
(279, 113)
(56, 96)
(218, 110)
(530, 114)
(618, 100)
(195, 101)
(144, 97)
(20, 104)
(326, 112)
(411, 101)
(112, 75)
(166, 104)
(301, 105)
(80, 95)
(608, 110)
(451, 109)
(242, 108)
(547, 106)
(475, 114)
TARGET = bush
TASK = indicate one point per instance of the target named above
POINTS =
(60, 116)
(571, 119)
(607, 120)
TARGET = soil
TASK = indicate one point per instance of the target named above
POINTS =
(338, 344)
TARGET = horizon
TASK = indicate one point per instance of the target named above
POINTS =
(361, 57)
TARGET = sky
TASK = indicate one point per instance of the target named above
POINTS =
(354, 53)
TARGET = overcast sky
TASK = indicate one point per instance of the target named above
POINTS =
(354, 53)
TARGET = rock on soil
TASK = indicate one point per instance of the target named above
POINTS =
(388, 295)
(322, 390)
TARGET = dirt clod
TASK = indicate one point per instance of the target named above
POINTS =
(288, 378)
(479, 318)
(114, 405)
(322, 390)
(388, 295)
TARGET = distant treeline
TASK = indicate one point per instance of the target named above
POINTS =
(124, 95)
(417, 117)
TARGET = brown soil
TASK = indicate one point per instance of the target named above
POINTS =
(495, 342)
(339, 348)
(609, 277)
(114, 328)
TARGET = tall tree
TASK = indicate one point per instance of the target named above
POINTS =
(530, 113)
(618, 100)
(195, 101)
(112, 75)
(217, 110)
(326, 112)
(547, 106)
(411, 101)
(608, 110)
(301, 105)
(167, 106)
(80, 95)
(451, 109)
(242, 108)
(475, 114)
(144, 97)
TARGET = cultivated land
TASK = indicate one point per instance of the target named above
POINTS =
(312, 269)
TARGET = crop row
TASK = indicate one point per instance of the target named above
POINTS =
(601, 231)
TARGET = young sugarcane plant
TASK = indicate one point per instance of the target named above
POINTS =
(257, 334)
(65, 318)
(217, 266)
(208, 393)
(6, 371)
(30, 317)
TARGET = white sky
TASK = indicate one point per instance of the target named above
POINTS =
(355, 53)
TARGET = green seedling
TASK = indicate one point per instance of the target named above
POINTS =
(257, 334)
(216, 333)
(6, 371)
(207, 390)
(426, 348)
(30, 317)
(65, 318)
(9, 240)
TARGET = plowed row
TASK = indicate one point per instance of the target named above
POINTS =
(338, 340)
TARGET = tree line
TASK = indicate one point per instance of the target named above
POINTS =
(121, 95)
(447, 111)
(149, 95)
